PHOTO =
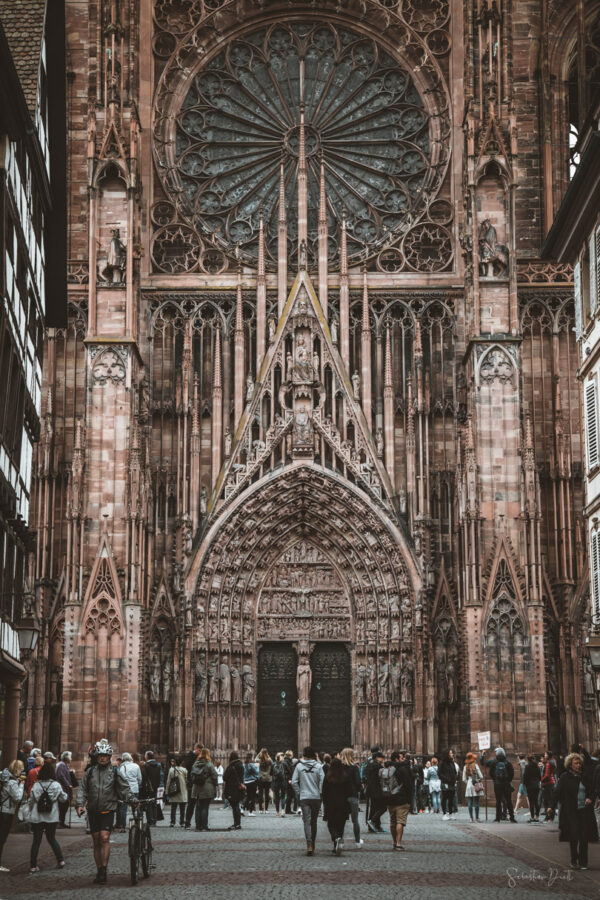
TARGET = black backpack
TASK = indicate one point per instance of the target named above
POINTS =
(44, 802)
(199, 778)
(501, 772)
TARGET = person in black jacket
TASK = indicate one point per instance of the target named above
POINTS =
(347, 757)
(502, 773)
(337, 789)
(531, 780)
(373, 791)
(397, 787)
(290, 795)
(234, 787)
(576, 820)
(447, 773)
(150, 784)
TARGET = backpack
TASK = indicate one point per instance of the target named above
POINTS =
(389, 784)
(501, 772)
(44, 802)
(199, 778)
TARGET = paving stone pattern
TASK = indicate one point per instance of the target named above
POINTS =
(266, 859)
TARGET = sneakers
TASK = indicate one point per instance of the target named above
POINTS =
(381, 830)
(4, 869)
(251, 815)
(34, 869)
(60, 864)
(445, 817)
(283, 815)
(359, 844)
(371, 827)
(583, 868)
(399, 847)
(310, 849)
(339, 846)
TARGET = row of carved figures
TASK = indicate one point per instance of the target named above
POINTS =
(385, 682)
(220, 682)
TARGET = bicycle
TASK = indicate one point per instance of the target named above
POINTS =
(139, 841)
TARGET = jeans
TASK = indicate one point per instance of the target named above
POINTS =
(189, 812)
(448, 800)
(5, 824)
(202, 807)
(290, 800)
(181, 812)
(354, 810)
(279, 795)
(235, 809)
(376, 809)
(503, 798)
(122, 815)
(547, 798)
(38, 831)
(435, 800)
(310, 815)
(63, 809)
(151, 813)
(533, 794)
(473, 804)
(263, 795)
(250, 803)
(578, 837)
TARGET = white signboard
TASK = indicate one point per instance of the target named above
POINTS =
(484, 739)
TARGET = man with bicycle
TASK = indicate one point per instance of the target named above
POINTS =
(101, 789)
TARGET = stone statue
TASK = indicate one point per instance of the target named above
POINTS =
(588, 679)
(334, 332)
(316, 366)
(203, 500)
(201, 679)
(384, 674)
(303, 680)
(247, 684)
(395, 676)
(379, 442)
(302, 426)
(272, 329)
(55, 686)
(451, 681)
(492, 255)
(356, 386)
(236, 685)
(360, 683)
(227, 442)
(225, 680)
(249, 387)
(155, 680)
(213, 680)
(186, 537)
(166, 681)
(371, 681)
(116, 259)
(302, 255)
(407, 680)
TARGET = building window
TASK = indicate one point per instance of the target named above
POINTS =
(595, 574)
(591, 415)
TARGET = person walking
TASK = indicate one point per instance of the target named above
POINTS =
(151, 778)
(473, 779)
(220, 770)
(347, 757)
(265, 770)
(204, 787)
(43, 802)
(447, 773)
(100, 790)
(373, 791)
(549, 780)
(434, 784)
(307, 782)
(576, 821)
(234, 788)
(338, 787)
(12, 787)
(132, 774)
(64, 776)
(176, 791)
(397, 790)
(290, 797)
(522, 798)
(279, 785)
(531, 780)
(502, 773)
(251, 776)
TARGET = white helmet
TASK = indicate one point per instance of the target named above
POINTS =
(103, 748)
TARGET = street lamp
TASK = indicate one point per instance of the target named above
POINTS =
(29, 631)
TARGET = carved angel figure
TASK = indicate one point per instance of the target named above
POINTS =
(247, 684)
(155, 680)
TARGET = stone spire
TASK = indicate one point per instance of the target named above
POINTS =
(302, 181)
(281, 246)
(238, 350)
(344, 297)
(261, 298)
(366, 352)
(323, 248)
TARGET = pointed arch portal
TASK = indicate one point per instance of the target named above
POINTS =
(305, 560)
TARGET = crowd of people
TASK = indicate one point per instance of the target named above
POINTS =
(42, 790)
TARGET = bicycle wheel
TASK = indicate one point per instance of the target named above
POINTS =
(146, 850)
(134, 853)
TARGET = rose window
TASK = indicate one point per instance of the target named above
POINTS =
(239, 121)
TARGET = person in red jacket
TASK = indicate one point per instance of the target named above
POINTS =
(548, 782)
(32, 775)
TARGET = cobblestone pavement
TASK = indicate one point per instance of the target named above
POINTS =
(266, 860)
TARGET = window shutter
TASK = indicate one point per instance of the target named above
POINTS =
(577, 286)
(591, 414)
(593, 273)
(595, 574)
(597, 264)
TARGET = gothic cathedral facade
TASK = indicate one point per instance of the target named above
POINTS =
(311, 463)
